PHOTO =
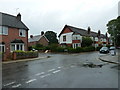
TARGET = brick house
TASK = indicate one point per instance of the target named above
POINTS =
(72, 36)
(38, 39)
(14, 34)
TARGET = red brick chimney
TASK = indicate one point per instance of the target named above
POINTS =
(19, 16)
(89, 30)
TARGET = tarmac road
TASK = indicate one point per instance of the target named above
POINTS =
(61, 71)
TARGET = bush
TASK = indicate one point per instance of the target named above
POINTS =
(79, 49)
(88, 49)
(108, 46)
(25, 54)
(98, 48)
(72, 50)
(60, 49)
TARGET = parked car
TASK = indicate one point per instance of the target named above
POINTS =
(112, 50)
(104, 50)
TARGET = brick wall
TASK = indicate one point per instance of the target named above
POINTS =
(13, 33)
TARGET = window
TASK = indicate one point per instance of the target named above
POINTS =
(64, 38)
(75, 45)
(2, 48)
(22, 32)
(17, 47)
(12, 47)
(96, 38)
(3, 30)
(76, 37)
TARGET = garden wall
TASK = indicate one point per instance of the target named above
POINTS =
(24, 55)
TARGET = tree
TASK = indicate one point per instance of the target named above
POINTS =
(113, 27)
(86, 41)
(52, 37)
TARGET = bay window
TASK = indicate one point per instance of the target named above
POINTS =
(17, 46)
(2, 48)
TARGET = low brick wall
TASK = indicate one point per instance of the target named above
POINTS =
(24, 55)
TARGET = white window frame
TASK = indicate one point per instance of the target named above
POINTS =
(15, 44)
(3, 30)
(23, 33)
(75, 45)
(2, 46)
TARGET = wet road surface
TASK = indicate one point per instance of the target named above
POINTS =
(61, 71)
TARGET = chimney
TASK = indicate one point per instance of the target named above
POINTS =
(42, 33)
(31, 36)
(99, 32)
(19, 16)
(89, 30)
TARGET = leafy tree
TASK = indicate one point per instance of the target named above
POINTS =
(52, 37)
(86, 41)
(113, 27)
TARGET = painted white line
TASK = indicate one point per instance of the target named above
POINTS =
(51, 70)
(15, 86)
(9, 84)
(72, 66)
(59, 67)
(45, 75)
(56, 71)
(31, 80)
(38, 74)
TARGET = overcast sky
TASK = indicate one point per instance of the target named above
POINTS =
(44, 15)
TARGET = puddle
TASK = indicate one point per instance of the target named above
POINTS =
(92, 65)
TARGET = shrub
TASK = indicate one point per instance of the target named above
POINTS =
(60, 49)
(108, 46)
(79, 49)
(25, 54)
(88, 49)
(98, 48)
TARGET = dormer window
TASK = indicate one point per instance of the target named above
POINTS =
(3, 30)
(22, 33)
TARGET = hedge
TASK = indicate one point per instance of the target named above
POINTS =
(24, 54)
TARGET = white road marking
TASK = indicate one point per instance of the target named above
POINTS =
(51, 70)
(56, 71)
(31, 80)
(72, 66)
(59, 67)
(45, 75)
(15, 86)
(9, 84)
(38, 74)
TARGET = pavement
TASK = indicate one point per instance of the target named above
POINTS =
(110, 59)
(24, 60)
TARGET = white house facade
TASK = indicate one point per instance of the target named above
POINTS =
(72, 36)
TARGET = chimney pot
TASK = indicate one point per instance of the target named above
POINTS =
(42, 33)
(31, 36)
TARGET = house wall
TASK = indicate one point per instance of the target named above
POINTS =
(13, 33)
(68, 38)
(68, 33)
(43, 41)
(32, 43)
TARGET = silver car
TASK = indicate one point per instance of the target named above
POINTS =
(112, 50)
